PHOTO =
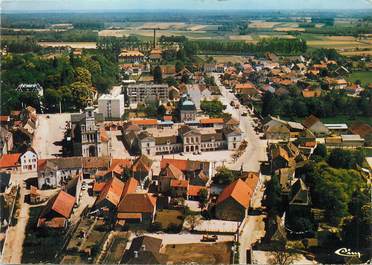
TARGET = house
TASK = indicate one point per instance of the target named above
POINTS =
(276, 129)
(197, 172)
(110, 195)
(144, 250)
(10, 161)
(57, 211)
(337, 128)
(179, 187)
(130, 186)
(233, 137)
(246, 89)
(52, 173)
(280, 157)
(167, 174)
(6, 141)
(194, 192)
(137, 208)
(300, 196)
(233, 202)
(29, 161)
(141, 168)
(316, 126)
(210, 67)
(352, 141)
(168, 70)
(362, 129)
(73, 187)
(212, 122)
(311, 93)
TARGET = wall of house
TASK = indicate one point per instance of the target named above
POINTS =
(29, 162)
(233, 142)
(54, 178)
(230, 210)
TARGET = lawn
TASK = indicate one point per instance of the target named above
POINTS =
(364, 77)
(199, 253)
(116, 250)
(167, 217)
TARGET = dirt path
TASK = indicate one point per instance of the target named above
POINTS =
(13, 247)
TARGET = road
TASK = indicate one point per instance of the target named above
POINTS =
(13, 246)
(253, 227)
(49, 133)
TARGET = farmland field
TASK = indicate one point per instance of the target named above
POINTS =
(230, 58)
(364, 77)
(261, 24)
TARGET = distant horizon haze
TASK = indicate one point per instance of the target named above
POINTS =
(26, 6)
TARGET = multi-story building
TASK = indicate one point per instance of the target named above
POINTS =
(86, 135)
(139, 93)
(134, 56)
(112, 107)
(187, 140)
(186, 108)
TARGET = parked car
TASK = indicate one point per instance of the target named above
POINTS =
(209, 238)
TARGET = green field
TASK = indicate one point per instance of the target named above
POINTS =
(365, 77)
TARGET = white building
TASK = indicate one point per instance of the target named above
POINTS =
(139, 93)
(29, 161)
(112, 107)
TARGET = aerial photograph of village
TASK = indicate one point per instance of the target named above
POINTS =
(186, 132)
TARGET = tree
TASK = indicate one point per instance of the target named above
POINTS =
(203, 198)
(193, 221)
(83, 75)
(158, 77)
(340, 158)
(213, 108)
(52, 98)
(284, 256)
(273, 198)
(81, 93)
(321, 150)
(161, 111)
(171, 81)
(225, 176)
(179, 66)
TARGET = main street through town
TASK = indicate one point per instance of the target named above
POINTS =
(252, 227)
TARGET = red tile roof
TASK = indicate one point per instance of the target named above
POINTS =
(194, 190)
(4, 118)
(9, 160)
(179, 183)
(239, 191)
(64, 204)
(167, 118)
(144, 122)
(130, 186)
(137, 203)
(181, 164)
(98, 186)
(112, 191)
(118, 165)
(251, 179)
(211, 120)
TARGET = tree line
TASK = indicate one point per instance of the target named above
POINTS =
(67, 79)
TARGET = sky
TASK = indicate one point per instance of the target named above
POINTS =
(101, 5)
